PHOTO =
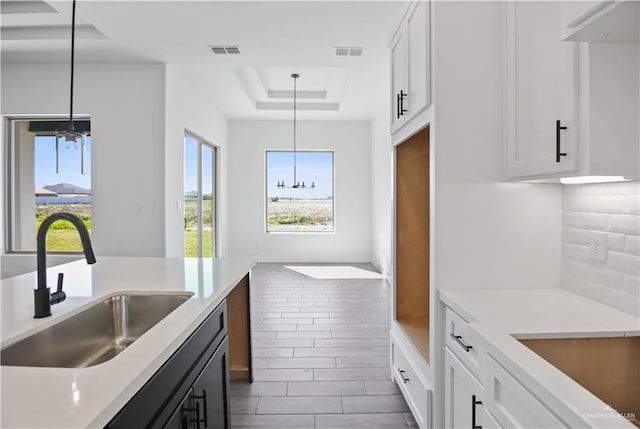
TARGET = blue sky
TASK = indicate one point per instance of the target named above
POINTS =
(311, 167)
(191, 166)
(69, 163)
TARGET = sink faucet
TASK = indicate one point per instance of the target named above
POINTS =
(42, 299)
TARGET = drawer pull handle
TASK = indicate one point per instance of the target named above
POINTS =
(404, 379)
(473, 412)
(458, 339)
(204, 407)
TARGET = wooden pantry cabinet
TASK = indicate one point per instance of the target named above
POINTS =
(410, 330)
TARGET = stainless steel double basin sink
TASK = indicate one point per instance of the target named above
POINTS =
(95, 334)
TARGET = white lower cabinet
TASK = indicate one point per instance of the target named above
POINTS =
(417, 391)
(511, 403)
(463, 393)
(479, 392)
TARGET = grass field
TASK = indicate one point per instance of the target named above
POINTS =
(300, 215)
(285, 215)
(62, 235)
(191, 228)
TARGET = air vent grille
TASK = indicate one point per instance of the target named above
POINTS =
(349, 51)
(223, 50)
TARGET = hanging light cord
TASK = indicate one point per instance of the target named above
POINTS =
(295, 78)
(73, 45)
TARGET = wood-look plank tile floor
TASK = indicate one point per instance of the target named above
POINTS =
(320, 354)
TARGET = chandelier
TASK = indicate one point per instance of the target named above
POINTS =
(296, 183)
(70, 135)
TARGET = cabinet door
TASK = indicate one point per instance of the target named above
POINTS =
(418, 59)
(542, 85)
(463, 395)
(183, 417)
(510, 403)
(211, 390)
(398, 77)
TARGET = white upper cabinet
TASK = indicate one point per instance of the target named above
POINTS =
(410, 65)
(572, 108)
(542, 90)
(601, 21)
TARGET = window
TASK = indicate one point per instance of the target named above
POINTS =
(35, 188)
(199, 198)
(300, 210)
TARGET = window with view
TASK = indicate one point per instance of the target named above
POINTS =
(38, 190)
(308, 209)
(199, 197)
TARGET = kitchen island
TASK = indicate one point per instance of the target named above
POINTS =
(92, 396)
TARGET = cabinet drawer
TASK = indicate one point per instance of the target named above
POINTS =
(463, 342)
(510, 403)
(418, 396)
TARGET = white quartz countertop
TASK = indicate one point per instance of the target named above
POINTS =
(89, 397)
(500, 316)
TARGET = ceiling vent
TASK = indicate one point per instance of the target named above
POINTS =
(349, 52)
(223, 50)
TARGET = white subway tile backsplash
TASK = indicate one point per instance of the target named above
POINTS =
(633, 244)
(621, 301)
(633, 204)
(632, 285)
(598, 221)
(583, 287)
(616, 242)
(571, 219)
(615, 209)
(579, 203)
(624, 263)
(625, 224)
(609, 203)
(576, 236)
(606, 277)
(574, 268)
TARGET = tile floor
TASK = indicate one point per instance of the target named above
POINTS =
(321, 355)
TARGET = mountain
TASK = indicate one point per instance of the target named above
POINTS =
(67, 188)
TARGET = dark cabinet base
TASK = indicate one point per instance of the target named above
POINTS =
(206, 404)
(191, 389)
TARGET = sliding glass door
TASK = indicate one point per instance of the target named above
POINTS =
(199, 198)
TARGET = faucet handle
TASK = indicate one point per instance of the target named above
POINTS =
(59, 295)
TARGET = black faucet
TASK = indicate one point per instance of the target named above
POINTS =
(42, 299)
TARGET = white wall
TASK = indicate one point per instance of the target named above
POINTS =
(126, 105)
(613, 208)
(351, 141)
(188, 109)
(488, 233)
(381, 193)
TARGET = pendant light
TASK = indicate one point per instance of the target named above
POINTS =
(70, 135)
(296, 184)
